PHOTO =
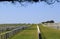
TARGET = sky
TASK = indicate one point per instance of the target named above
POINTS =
(29, 13)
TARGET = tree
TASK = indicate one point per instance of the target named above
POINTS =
(51, 21)
(21, 1)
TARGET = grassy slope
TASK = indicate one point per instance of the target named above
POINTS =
(30, 33)
(49, 33)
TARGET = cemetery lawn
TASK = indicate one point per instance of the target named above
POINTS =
(49, 33)
(29, 33)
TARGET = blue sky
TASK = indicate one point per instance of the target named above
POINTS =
(29, 13)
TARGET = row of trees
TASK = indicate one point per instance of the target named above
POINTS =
(20, 1)
(51, 21)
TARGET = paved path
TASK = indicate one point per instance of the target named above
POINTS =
(39, 32)
(38, 29)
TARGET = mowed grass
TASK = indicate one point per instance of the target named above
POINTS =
(49, 33)
(29, 33)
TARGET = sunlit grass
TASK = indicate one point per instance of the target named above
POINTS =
(49, 33)
(29, 33)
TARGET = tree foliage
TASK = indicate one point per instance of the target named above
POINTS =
(51, 21)
(20, 1)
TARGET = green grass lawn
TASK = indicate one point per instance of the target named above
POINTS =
(29, 33)
(49, 33)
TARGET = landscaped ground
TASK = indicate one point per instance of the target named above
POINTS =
(49, 33)
(29, 33)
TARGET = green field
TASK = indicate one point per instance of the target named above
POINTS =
(49, 33)
(29, 33)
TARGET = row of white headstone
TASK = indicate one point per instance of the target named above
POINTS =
(6, 28)
(53, 25)
(11, 33)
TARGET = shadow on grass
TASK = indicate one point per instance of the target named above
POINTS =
(40, 36)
